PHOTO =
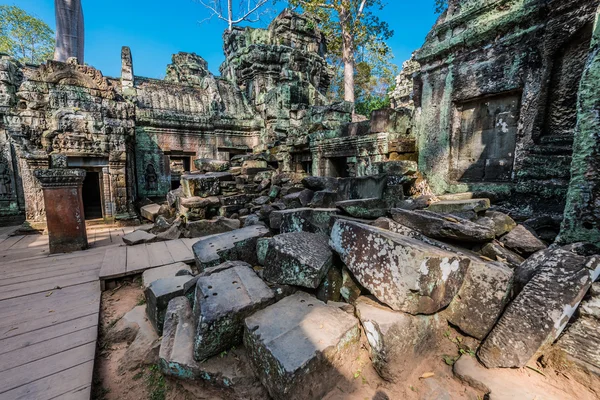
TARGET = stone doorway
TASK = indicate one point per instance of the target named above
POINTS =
(337, 167)
(92, 195)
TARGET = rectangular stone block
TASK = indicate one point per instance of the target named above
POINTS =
(159, 293)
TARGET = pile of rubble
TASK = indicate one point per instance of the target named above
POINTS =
(319, 262)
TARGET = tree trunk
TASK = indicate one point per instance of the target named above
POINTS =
(347, 54)
(230, 14)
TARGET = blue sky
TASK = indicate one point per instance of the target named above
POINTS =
(155, 29)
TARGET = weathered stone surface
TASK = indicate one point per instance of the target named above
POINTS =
(158, 295)
(297, 258)
(351, 289)
(454, 206)
(298, 199)
(137, 237)
(207, 227)
(297, 356)
(404, 273)
(203, 185)
(150, 212)
(481, 300)
(523, 241)
(318, 183)
(225, 296)
(503, 223)
(364, 208)
(314, 220)
(396, 338)
(324, 199)
(537, 316)
(365, 187)
(330, 288)
(239, 244)
(211, 165)
(497, 252)
(440, 227)
(166, 271)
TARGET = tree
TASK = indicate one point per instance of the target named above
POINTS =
(248, 10)
(441, 6)
(25, 37)
(351, 27)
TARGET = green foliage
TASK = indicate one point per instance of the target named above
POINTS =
(25, 37)
(367, 105)
(441, 6)
(157, 386)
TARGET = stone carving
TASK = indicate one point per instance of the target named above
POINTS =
(5, 181)
(151, 178)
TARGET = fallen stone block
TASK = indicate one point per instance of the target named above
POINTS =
(362, 187)
(211, 165)
(324, 199)
(314, 220)
(298, 356)
(404, 273)
(538, 315)
(441, 227)
(229, 370)
(330, 288)
(482, 298)
(138, 237)
(318, 183)
(297, 258)
(523, 241)
(150, 212)
(225, 296)
(396, 338)
(497, 252)
(159, 293)
(207, 227)
(454, 206)
(239, 244)
(298, 199)
(351, 290)
(204, 185)
(364, 208)
(166, 271)
(503, 223)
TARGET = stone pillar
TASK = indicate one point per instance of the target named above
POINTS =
(582, 213)
(64, 208)
(69, 30)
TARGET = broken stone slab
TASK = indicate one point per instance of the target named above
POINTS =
(495, 251)
(211, 165)
(224, 298)
(239, 244)
(204, 185)
(499, 386)
(364, 208)
(297, 258)
(391, 225)
(330, 288)
(454, 206)
(396, 338)
(400, 167)
(298, 199)
(324, 199)
(523, 241)
(159, 293)
(318, 183)
(197, 202)
(314, 220)
(230, 370)
(173, 233)
(482, 298)
(362, 187)
(138, 237)
(538, 315)
(406, 274)
(166, 271)
(503, 223)
(150, 211)
(207, 227)
(351, 290)
(304, 349)
(581, 339)
(441, 227)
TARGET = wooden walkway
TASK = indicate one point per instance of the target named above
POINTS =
(49, 309)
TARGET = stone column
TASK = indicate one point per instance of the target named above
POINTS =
(582, 213)
(64, 208)
(69, 30)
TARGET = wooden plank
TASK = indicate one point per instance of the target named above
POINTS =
(44, 285)
(47, 273)
(70, 383)
(179, 251)
(25, 242)
(114, 263)
(11, 241)
(16, 343)
(48, 348)
(48, 260)
(158, 254)
(21, 375)
(137, 258)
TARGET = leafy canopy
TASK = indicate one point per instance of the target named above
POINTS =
(26, 38)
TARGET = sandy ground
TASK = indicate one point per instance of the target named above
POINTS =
(429, 379)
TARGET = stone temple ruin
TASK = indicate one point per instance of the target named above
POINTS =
(472, 204)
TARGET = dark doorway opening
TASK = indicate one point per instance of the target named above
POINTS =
(338, 167)
(92, 201)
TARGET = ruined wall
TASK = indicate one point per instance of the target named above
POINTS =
(495, 99)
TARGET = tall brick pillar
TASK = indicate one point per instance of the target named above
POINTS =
(64, 208)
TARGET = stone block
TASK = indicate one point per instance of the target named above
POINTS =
(211, 165)
(457, 206)
(497, 252)
(207, 227)
(239, 244)
(298, 199)
(297, 356)
(150, 212)
(404, 273)
(166, 271)
(297, 258)
(364, 208)
(523, 241)
(503, 223)
(158, 295)
(330, 288)
(204, 185)
(365, 187)
(442, 227)
(225, 296)
(314, 220)
(396, 338)
(324, 199)
(138, 237)
(318, 183)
